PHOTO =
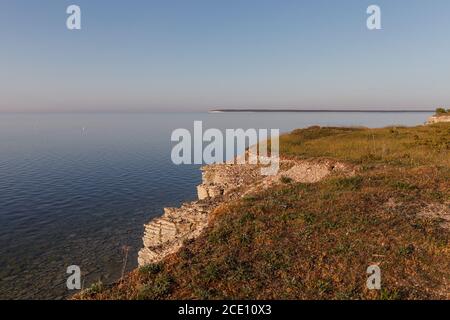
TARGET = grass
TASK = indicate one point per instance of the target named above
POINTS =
(315, 241)
(400, 146)
(157, 288)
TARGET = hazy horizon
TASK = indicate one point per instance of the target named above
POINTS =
(194, 56)
(271, 109)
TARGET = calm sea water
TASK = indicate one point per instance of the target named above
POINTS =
(76, 188)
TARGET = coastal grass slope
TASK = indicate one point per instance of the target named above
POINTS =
(316, 240)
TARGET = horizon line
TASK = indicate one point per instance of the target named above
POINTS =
(225, 110)
(319, 110)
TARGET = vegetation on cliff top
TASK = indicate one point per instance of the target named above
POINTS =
(442, 112)
(315, 241)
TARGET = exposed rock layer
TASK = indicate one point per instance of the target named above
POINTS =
(438, 118)
(222, 183)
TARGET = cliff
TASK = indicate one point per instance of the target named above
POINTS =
(223, 183)
(344, 199)
(438, 118)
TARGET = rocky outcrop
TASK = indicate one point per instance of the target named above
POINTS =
(222, 183)
(438, 118)
(222, 179)
(438, 212)
(165, 235)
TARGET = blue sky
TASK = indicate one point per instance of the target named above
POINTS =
(193, 55)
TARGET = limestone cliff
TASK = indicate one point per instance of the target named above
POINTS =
(438, 118)
(223, 183)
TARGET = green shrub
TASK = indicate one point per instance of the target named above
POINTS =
(94, 289)
(160, 287)
(211, 272)
(285, 180)
(404, 185)
(348, 183)
(152, 268)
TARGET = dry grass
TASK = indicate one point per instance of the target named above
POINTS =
(423, 145)
(315, 241)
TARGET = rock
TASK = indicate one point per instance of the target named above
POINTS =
(438, 118)
(439, 212)
(202, 192)
(307, 172)
(165, 235)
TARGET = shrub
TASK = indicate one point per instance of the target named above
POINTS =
(160, 287)
(211, 272)
(285, 180)
(94, 289)
(152, 268)
(350, 183)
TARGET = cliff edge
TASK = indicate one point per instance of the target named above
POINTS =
(222, 183)
(438, 118)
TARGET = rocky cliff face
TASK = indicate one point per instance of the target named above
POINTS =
(438, 118)
(222, 183)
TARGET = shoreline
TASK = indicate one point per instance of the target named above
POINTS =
(221, 184)
(317, 111)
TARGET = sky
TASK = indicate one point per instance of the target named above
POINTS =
(196, 55)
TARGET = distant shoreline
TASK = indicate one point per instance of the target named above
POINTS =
(319, 110)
